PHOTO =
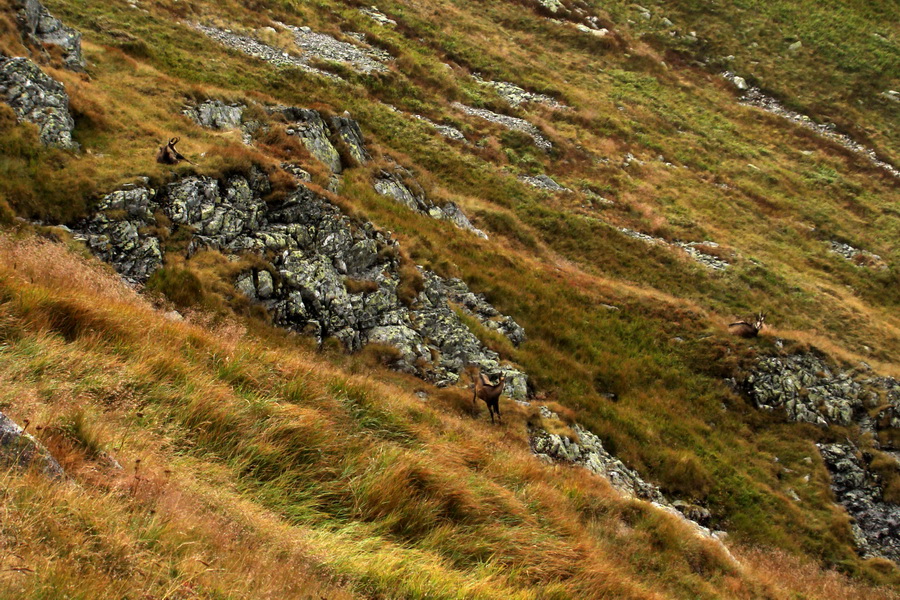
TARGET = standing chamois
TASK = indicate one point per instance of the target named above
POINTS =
(747, 330)
(488, 392)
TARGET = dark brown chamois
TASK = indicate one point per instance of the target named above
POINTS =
(748, 330)
(488, 392)
(168, 155)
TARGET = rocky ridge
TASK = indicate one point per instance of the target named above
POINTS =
(693, 249)
(255, 48)
(38, 98)
(513, 123)
(516, 95)
(324, 274)
(810, 390)
(588, 452)
(400, 185)
(753, 96)
(543, 182)
(861, 258)
(42, 28)
(376, 15)
(324, 47)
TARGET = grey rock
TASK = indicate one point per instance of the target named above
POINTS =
(41, 27)
(513, 123)
(312, 247)
(516, 95)
(37, 98)
(310, 127)
(400, 185)
(364, 59)
(447, 131)
(215, 114)
(21, 450)
(348, 131)
(756, 97)
(257, 49)
(376, 15)
(876, 525)
(543, 182)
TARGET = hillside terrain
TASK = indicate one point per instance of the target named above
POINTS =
(246, 370)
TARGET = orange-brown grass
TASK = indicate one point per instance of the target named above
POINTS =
(228, 446)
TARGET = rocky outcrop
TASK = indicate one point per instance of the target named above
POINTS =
(42, 28)
(347, 130)
(756, 97)
(588, 452)
(876, 523)
(37, 98)
(324, 47)
(513, 123)
(21, 450)
(860, 258)
(257, 49)
(543, 182)
(215, 114)
(400, 185)
(319, 136)
(811, 390)
(310, 127)
(693, 249)
(808, 390)
(516, 95)
(448, 131)
(323, 273)
(376, 15)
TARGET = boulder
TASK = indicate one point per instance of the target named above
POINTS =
(215, 114)
(37, 98)
(21, 450)
(41, 27)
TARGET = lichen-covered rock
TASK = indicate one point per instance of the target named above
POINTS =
(310, 127)
(516, 95)
(807, 389)
(37, 98)
(400, 185)
(543, 182)
(215, 114)
(364, 59)
(43, 28)
(876, 523)
(312, 249)
(21, 450)
(348, 131)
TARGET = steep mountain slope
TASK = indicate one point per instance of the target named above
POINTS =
(356, 173)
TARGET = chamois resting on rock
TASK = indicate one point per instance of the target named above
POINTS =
(490, 393)
(168, 155)
(748, 330)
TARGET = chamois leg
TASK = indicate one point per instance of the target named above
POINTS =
(474, 403)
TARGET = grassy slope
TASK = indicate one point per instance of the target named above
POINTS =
(551, 263)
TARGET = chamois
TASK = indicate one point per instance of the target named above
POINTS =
(488, 392)
(747, 330)
(168, 155)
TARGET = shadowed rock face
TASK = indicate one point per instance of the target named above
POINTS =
(400, 185)
(810, 390)
(21, 450)
(876, 525)
(37, 98)
(39, 26)
(311, 250)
